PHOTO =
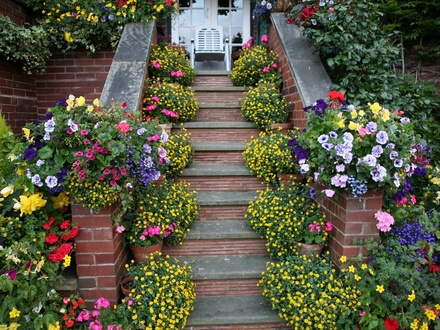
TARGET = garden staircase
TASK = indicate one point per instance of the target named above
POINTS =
(227, 256)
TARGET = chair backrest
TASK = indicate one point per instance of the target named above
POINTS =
(209, 39)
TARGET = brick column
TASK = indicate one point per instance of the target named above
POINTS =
(100, 254)
(353, 221)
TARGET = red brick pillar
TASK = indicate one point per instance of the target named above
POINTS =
(100, 254)
(353, 221)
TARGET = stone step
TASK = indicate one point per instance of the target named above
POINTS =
(223, 183)
(219, 114)
(222, 134)
(210, 125)
(219, 146)
(216, 170)
(243, 312)
(225, 198)
(221, 229)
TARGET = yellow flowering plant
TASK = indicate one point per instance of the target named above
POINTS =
(269, 154)
(96, 24)
(169, 103)
(162, 294)
(179, 152)
(283, 217)
(264, 105)
(169, 63)
(256, 64)
(354, 148)
(308, 293)
(160, 212)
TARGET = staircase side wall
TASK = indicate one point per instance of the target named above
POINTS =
(304, 77)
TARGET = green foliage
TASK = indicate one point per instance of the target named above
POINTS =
(179, 152)
(25, 45)
(269, 154)
(264, 105)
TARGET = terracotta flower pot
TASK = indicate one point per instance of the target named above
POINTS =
(142, 254)
(309, 249)
(125, 285)
(283, 127)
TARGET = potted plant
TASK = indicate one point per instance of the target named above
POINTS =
(286, 216)
(78, 146)
(179, 152)
(354, 148)
(307, 292)
(264, 105)
(256, 64)
(169, 103)
(269, 154)
(158, 213)
(169, 63)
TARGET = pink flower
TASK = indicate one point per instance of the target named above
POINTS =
(155, 137)
(86, 142)
(155, 64)
(328, 193)
(123, 171)
(151, 107)
(84, 132)
(265, 39)
(123, 127)
(274, 65)
(112, 183)
(84, 315)
(69, 131)
(155, 98)
(79, 153)
(120, 229)
(95, 325)
(331, 10)
(102, 303)
(142, 238)
(266, 69)
(362, 131)
(328, 226)
(413, 199)
(385, 221)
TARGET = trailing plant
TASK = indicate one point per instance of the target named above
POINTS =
(26, 45)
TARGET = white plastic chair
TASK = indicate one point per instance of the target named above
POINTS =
(210, 46)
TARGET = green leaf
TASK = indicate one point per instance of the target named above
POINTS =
(45, 152)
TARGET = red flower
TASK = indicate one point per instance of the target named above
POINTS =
(71, 234)
(433, 268)
(70, 323)
(391, 324)
(52, 239)
(48, 223)
(65, 224)
(335, 95)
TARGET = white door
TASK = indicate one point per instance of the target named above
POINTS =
(233, 15)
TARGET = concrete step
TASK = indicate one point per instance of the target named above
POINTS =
(219, 146)
(222, 134)
(223, 183)
(235, 312)
(219, 88)
(221, 229)
(226, 198)
(210, 125)
(216, 170)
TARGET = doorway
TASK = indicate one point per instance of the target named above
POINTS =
(232, 15)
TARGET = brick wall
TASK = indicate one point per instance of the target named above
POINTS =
(76, 73)
(16, 10)
(290, 91)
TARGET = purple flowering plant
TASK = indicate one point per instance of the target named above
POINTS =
(354, 148)
(91, 152)
(263, 9)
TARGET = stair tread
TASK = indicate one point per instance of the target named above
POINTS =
(216, 170)
(225, 197)
(223, 105)
(227, 267)
(219, 124)
(222, 229)
(219, 146)
(232, 310)
(219, 89)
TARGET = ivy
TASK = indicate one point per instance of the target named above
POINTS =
(25, 45)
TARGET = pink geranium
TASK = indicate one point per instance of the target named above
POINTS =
(123, 127)
(385, 220)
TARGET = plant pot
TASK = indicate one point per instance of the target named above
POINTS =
(159, 181)
(125, 285)
(309, 249)
(285, 179)
(142, 253)
(283, 127)
(167, 127)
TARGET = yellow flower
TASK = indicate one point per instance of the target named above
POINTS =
(66, 259)
(412, 296)
(340, 123)
(424, 326)
(14, 326)
(96, 102)
(351, 269)
(68, 37)
(379, 288)
(343, 259)
(354, 114)
(6, 191)
(385, 114)
(26, 132)
(361, 113)
(375, 108)
(30, 204)
(14, 313)
(430, 314)
(364, 266)
(415, 324)
(353, 126)
(357, 277)
(80, 100)
(53, 327)
(60, 201)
